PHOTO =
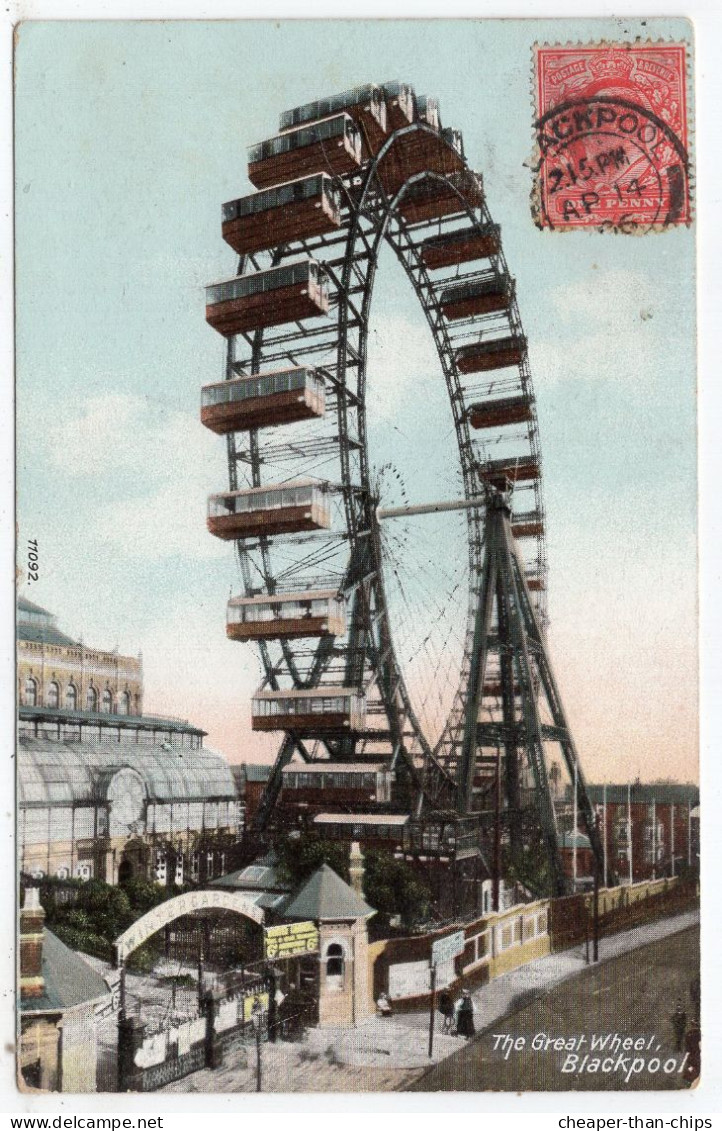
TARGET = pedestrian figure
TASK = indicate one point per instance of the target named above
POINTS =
(446, 1009)
(679, 1024)
(465, 1016)
(383, 1006)
(693, 1041)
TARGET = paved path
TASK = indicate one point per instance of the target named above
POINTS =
(400, 1042)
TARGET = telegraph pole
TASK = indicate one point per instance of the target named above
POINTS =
(575, 818)
(200, 973)
(606, 834)
(629, 832)
(496, 882)
(595, 952)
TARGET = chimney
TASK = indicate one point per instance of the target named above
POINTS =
(356, 869)
(32, 919)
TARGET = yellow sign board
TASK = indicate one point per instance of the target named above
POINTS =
(291, 939)
(249, 1002)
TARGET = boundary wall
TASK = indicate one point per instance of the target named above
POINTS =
(501, 941)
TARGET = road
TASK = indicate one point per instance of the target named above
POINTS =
(631, 996)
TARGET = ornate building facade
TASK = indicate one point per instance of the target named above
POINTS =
(55, 671)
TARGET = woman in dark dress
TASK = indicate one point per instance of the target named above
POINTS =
(446, 1009)
(465, 1016)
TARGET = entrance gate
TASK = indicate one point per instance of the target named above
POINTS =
(227, 1014)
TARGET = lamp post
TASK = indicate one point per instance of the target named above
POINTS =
(257, 1023)
(432, 1009)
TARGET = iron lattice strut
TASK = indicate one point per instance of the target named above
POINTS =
(507, 626)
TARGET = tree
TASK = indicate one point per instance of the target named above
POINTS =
(108, 908)
(392, 887)
(143, 895)
(89, 915)
(299, 856)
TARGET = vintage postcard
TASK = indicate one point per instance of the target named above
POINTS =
(356, 578)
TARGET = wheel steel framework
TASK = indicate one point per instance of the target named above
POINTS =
(376, 210)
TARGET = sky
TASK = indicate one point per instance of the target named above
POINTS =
(128, 139)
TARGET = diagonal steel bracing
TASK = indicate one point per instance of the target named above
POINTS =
(507, 627)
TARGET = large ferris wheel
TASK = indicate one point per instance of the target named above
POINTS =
(369, 638)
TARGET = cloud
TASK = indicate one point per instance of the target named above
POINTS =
(164, 524)
(120, 432)
(605, 297)
(149, 469)
(192, 670)
(613, 325)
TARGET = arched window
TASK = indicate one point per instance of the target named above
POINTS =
(137, 704)
(124, 703)
(30, 696)
(91, 699)
(107, 701)
(334, 961)
(71, 697)
(53, 696)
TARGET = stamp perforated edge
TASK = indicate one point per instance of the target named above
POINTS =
(534, 160)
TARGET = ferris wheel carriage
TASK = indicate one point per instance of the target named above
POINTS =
(309, 711)
(528, 524)
(535, 581)
(332, 145)
(421, 151)
(400, 101)
(268, 298)
(503, 410)
(381, 830)
(263, 400)
(427, 110)
(494, 353)
(365, 104)
(284, 508)
(443, 836)
(511, 470)
(348, 783)
(298, 209)
(432, 198)
(280, 616)
(461, 246)
(484, 294)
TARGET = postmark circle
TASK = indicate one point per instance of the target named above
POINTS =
(606, 163)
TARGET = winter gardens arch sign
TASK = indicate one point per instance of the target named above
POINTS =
(172, 909)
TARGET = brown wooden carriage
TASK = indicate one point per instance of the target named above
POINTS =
(284, 396)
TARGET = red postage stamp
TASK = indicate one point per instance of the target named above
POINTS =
(612, 137)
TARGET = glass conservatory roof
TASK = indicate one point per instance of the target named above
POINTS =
(57, 773)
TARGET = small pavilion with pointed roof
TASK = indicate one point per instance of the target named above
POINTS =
(342, 916)
(326, 897)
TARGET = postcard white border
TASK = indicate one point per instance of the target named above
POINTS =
(708, 1097)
